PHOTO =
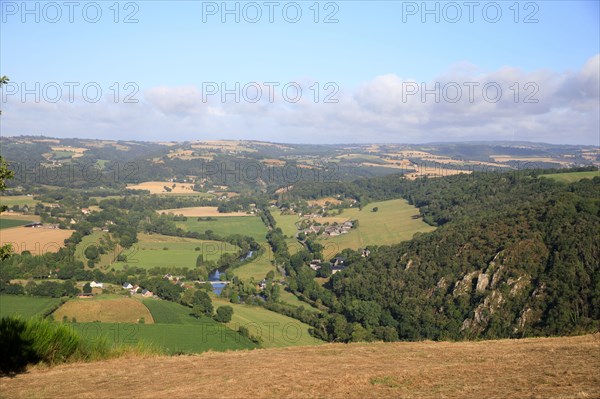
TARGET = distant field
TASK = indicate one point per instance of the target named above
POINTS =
(287, 223)
(21, 200)
(7, 223)
(158, 187)
(94, 239)
(275, 330)
(573, 176)
(198, 211)
(37, 240)
(507, 158)
(169, 312)
(392, 223)
(293, 300)
(224, 226)
(123, 310)
(150, 251)
(257, 269)
(564, 367)
(25, 306)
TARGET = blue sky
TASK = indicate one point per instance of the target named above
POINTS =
(373, 49)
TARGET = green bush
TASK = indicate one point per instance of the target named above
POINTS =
(37, 340)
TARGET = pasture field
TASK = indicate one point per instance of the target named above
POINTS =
(25, 306)
(205, 335)
(224, 226)
(167, 312)
(156, 250)
(158, 187)
(121, 310)
(256, 269)
(287, 223)
(202, 211)
(94, 239)
(391, 224)
(21, 200)
(7, 223)
(274, 329)
(324, 201)
(291, 299)
(565, 367)
(36, 240)
(573, 176)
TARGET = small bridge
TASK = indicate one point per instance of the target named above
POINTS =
(213, 282)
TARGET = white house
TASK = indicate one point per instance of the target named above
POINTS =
(127, 286)
(94, 284)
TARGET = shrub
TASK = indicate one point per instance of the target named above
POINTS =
(224, 314)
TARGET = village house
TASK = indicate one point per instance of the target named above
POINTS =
(94, 284)
(127, 286)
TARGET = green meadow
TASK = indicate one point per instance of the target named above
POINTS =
(274, 329)
(94, 239)
(392, 223)
(291, 299)
(155, 250)
(227, 225)
(25, 306)
(573, 176)
(21, 200)
(287, 223)
(6, 223)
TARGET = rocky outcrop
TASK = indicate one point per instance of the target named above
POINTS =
(482, 282)
(465, 285)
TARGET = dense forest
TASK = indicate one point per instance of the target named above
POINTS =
(514, 255)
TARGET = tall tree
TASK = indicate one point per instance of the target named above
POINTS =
(5, 173)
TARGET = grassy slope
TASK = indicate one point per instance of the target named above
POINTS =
(227, 225)
(94, 239)
(149, 251)
(21, 200)
(246, 225)
(118, 310)
(287, 223)
(25, 306)
(573, 176)
(6, 223)
(293, 300)
(174, 330)
(391, 224)
(541, 367)
(275, 330)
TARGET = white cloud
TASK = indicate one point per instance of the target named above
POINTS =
(380, 110)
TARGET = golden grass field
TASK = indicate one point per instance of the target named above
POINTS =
(201, 211)
(507, 158)
(528, 368)
(158, 187)
(36, 240)
(121, 310)
(324, 201)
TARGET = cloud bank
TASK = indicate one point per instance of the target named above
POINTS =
(463, 103)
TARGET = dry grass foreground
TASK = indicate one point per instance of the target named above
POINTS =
(125, 310)
(528, 368)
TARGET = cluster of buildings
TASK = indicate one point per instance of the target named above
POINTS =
(329, 231)
(136, 289)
